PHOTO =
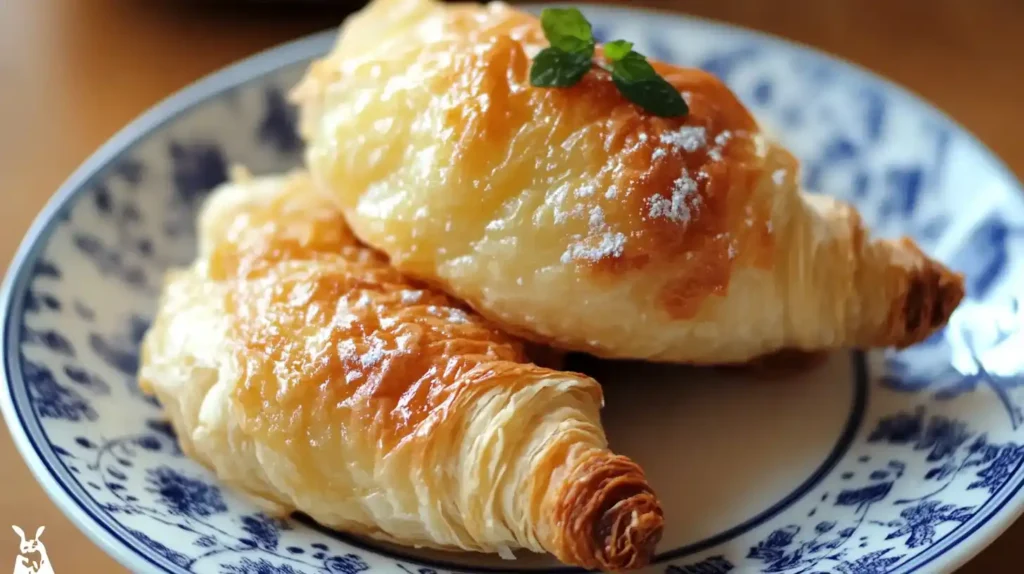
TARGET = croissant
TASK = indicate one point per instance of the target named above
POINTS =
(304, 371)
(572, 217)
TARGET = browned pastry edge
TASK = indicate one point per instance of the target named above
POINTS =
(606, 516)
(928, 296)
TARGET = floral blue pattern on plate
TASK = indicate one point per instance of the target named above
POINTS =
(920, 457)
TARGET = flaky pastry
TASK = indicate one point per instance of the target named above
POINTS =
(304, 371)
(571, 216)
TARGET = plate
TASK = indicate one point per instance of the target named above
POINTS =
(877, 462)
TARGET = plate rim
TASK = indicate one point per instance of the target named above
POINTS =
(204, 89)
(271, 59)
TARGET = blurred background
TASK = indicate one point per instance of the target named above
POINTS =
(74, 72)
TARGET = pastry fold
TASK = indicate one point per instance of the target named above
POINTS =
(304, 371)
(572, 217)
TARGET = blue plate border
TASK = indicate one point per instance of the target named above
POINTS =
(297, 52)
(71, 498)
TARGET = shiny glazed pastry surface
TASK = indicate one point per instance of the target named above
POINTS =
(306, 372)
(674, 239)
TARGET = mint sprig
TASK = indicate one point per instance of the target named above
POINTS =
(617, 50)
(567, 30)
(641, 84)
(571, 56)
(554, 68)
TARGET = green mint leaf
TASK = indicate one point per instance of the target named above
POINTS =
(633, 67)
(554, 68)
(617, 50)
(567, 30)
(655, 95)
(637, 80)
(571, 54)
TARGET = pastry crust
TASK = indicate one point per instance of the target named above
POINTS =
(306, 372)
(674, 239)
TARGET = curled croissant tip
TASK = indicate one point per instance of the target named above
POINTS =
(931, 296)
(610, 517)
(629, 532)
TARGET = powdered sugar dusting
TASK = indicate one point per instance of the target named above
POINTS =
(410, 296)
(457, 315)
(585, 190)
(688, 138)
(450, 314)
(596, 217)
(732, 251)
(611, 245)
(779, 176)
(363, 300)
(721, 139)
(658, 153)
(373, 355)
(347, 350)
(562, 216)
(642, 137)
(675, 208)
(601, 241)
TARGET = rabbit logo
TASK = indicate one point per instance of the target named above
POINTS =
(32, 558)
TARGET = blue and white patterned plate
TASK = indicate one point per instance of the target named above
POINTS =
(884, 462)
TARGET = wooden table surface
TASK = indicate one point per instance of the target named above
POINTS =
(74, 72)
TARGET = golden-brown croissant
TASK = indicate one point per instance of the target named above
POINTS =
(304, 371)
(573, 217)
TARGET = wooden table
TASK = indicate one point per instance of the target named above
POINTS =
(74, 72)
